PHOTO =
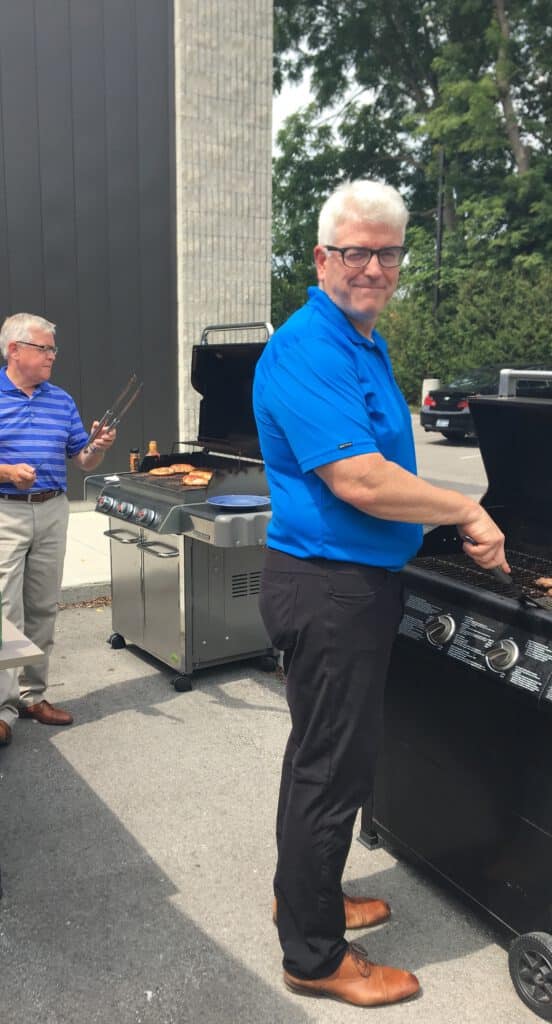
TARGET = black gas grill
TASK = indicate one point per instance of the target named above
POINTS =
(464, 785)
(186, 562)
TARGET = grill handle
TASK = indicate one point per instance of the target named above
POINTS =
(164, 551)
(507, 383)
(120, 535)
(267, 327)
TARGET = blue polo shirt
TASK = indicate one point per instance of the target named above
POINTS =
(41, 429)
(324, 392)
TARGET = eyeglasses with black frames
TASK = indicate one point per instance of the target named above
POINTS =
(356, 257)
(47, 350)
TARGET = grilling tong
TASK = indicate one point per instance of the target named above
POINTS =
(113, 416)
(515, 590)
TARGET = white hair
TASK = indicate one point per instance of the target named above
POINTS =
(359, 201)
(20, 326)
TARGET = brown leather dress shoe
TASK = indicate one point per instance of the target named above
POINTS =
(358, 981)
(360, 911)
(46, 713)
(5, 734)
(363, 912)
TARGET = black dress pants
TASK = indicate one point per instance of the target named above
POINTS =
(335, 623)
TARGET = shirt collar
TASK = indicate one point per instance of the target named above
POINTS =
(332, 312)
(8, 386)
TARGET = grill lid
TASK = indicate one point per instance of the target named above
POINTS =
(223, 376)
(515, 437)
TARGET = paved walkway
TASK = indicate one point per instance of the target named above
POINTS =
(137, 854)
(86, 572)
(137, 846)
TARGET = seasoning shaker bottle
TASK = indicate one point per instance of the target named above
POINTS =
(134, 460)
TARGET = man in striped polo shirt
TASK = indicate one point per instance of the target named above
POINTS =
(40, 428)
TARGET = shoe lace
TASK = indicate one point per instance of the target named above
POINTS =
(360, 957)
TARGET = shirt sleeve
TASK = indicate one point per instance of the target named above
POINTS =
(78, 436)
(321, 406)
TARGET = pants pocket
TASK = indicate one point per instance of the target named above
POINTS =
(277, 601)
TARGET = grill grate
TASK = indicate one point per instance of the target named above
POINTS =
(459, 567)
(246, 584)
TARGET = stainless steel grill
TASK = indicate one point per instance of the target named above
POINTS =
(185, 573)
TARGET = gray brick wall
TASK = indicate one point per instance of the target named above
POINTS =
(223, 84)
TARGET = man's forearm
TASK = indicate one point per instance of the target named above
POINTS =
(89, 460)
(385, 490)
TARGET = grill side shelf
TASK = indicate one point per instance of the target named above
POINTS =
(246, 529)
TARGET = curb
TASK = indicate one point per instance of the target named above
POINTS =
(84, 592)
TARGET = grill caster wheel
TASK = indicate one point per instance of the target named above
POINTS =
(117, 641)
(530, 963)
(268, 663)
(182, 684)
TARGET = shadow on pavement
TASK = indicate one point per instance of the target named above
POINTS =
(88, 930)
(137, 854)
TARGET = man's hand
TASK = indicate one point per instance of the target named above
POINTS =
(104, 440)
(22, 476)
(484, 541)
(91, 456)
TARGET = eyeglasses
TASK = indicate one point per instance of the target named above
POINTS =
(356, 257)
(47, 350)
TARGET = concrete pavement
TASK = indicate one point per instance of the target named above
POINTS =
(137, 851)
(86, 572)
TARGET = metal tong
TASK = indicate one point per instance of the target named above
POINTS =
(113, 416)
(516, 590)
(520, 593)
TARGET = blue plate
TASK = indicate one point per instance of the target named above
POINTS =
(238, 500)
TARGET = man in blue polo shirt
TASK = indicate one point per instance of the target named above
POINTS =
(347, 506)
(39, 428)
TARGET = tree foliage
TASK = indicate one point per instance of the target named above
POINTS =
(423, 94)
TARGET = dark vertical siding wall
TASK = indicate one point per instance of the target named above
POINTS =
(87, 203)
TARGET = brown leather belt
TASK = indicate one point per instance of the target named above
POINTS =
(37, 496)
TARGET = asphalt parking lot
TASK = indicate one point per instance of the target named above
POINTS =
(449, 464)
(137, 852)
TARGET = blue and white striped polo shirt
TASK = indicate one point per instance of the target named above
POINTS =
(41, 429)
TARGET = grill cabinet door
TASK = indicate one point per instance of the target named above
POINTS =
(127, 612)
(163, 596)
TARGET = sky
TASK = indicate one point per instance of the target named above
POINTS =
(289, 100)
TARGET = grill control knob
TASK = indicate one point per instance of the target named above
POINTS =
(124, 509)
(439, 629)
(105, 503)
(146, 516)
(502, 655)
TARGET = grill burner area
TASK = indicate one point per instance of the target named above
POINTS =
(459, 567)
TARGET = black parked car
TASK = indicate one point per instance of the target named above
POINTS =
(446, 409)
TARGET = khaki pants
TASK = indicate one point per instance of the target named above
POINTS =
(32, 551)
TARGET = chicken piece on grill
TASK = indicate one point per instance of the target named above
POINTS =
(198, 478)
(546, 583)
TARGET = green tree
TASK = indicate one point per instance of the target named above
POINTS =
(405, 91)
